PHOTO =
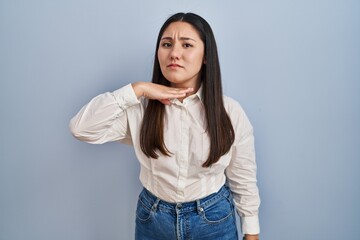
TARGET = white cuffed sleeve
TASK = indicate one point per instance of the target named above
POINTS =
(250, 225)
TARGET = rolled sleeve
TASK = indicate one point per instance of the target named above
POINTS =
(104, 118)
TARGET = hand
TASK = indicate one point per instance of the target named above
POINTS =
(159, 92)
(251, 237)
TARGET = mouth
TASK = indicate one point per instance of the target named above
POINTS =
(174, 65)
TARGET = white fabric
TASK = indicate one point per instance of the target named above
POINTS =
(117, 116)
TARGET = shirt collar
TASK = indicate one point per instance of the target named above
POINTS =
(198, 95)
(199, 92)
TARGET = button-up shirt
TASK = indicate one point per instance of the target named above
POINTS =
(180, 177)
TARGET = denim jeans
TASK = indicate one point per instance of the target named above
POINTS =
(210, 218)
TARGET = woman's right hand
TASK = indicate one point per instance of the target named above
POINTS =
(159, 92)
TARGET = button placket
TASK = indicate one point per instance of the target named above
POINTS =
(183, 152)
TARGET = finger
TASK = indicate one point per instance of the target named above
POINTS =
(165, 101)
(173, 96)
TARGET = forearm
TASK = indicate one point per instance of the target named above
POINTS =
(241, 177)
(139, 89)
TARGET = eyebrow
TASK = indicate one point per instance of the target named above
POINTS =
(182, 38)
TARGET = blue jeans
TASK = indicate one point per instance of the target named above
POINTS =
(210, 218)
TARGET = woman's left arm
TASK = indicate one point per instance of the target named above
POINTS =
(241, 172)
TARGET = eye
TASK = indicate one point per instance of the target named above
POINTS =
(187, 45)
(166, 44)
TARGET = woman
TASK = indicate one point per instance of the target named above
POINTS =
(195, 146)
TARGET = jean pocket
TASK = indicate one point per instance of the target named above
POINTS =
(218, 212)
(143, 212)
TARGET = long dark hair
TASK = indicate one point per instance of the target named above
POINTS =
(219, 127)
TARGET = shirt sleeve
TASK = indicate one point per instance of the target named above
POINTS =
(241, 172)
(104, 118)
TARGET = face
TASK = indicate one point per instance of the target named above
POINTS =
(181, 55)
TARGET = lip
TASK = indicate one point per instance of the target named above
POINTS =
(174, 65)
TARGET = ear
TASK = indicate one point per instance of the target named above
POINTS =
(204, 61)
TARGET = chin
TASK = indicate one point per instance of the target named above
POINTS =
(174, 80)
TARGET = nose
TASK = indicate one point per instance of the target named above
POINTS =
(175, 52)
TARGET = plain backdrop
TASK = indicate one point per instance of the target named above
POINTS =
(294, 66)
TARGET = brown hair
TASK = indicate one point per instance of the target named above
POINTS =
(219, 127)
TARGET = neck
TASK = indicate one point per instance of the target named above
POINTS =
(195, 86)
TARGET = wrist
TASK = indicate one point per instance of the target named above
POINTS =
(138, 88)
(251, 237)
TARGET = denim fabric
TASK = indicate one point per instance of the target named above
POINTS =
(210, 218)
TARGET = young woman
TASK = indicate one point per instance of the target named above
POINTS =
(195, 146)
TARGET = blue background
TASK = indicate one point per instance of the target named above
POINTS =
(293, 65)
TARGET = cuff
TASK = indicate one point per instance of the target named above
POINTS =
(250, 225)
(126, 97)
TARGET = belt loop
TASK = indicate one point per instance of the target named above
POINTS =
(154, 207)
(199, 208)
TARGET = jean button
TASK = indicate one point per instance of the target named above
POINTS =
(178, 205)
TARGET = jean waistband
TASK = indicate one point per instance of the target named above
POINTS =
(155, 202)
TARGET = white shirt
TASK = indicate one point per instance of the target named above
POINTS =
(117, 116)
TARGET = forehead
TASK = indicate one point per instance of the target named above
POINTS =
(181, 29)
